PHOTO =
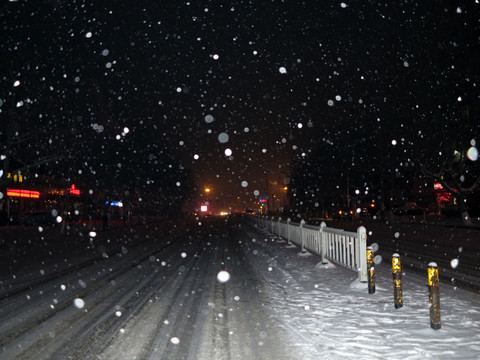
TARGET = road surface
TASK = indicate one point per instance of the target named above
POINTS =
(147, 292)
(154, 292)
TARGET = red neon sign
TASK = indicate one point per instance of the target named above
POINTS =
(74, 191)
(23, 193)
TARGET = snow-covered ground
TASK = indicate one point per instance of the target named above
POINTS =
(149, 293)
(331, 312)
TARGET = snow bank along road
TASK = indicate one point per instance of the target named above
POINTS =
(160, 292)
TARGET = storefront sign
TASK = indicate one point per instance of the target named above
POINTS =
(23, 193)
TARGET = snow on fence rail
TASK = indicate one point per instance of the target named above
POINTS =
(345, 248)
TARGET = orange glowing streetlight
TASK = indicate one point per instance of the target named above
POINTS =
(207, 190)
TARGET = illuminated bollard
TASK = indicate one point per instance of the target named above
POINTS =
(397, 281)
(433, 282)
(370, 270)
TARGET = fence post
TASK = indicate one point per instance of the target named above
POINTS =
(278, 227)
(361, 254)
(433, 282)
(302, 222)
(288, 231)
(272, 222)
(397, 281)
(371, 270)
(323, 243)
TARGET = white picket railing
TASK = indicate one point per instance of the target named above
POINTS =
(345, 248)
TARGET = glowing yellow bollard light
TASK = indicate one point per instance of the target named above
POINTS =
(370, 270)
(433, 285)
(397, 281)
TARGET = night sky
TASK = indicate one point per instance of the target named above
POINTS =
(272, 81)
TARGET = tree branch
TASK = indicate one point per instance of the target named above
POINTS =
(448, 187)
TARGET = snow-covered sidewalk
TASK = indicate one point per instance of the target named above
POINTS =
(331, 313)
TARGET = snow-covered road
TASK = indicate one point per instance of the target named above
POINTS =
(157, 292)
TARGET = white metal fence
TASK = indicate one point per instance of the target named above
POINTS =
(345, 248)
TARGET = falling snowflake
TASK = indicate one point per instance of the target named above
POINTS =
(223, 138)
(223, 276)
(472, 153)
(79, 303)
